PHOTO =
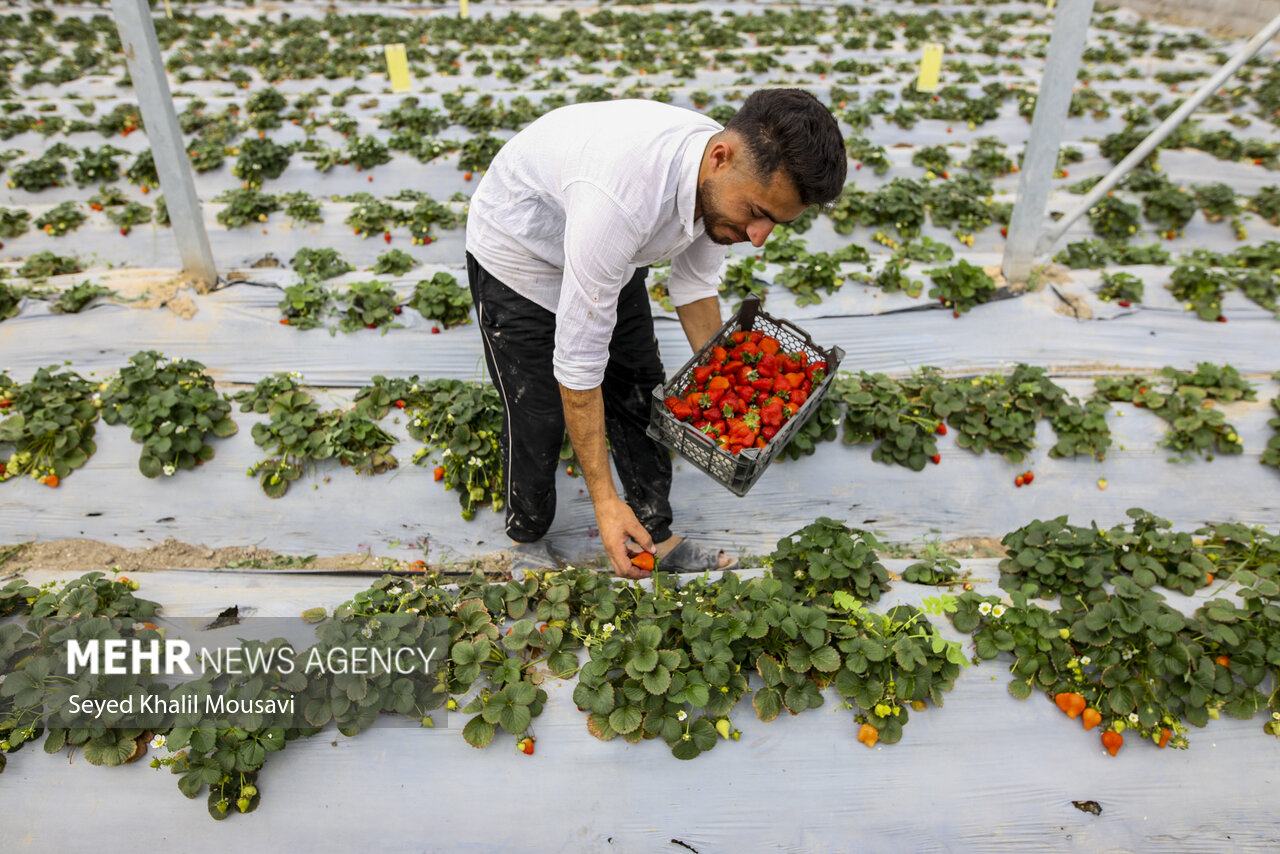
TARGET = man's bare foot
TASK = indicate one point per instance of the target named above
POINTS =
(664, 548)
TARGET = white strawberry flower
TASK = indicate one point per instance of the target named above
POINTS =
(681, 715)
(169, 470)
(1086, 660)
(997, 611)
(984, 608)
(1133, 717)
(157, 742)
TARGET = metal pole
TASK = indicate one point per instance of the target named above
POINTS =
(146, 67)
(1070, 26)
(1157, 136)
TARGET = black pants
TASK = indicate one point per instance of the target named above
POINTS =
(519, 338)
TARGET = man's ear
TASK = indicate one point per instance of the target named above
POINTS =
(722, 153)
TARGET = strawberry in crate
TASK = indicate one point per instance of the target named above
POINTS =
(745, 394)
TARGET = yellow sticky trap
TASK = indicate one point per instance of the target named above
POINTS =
(397, 68)
(930, 67)
(462, 8)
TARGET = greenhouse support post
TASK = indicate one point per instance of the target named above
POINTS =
(1157, 136)
(1062, 61)
(146, 68)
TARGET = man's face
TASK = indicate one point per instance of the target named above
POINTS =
(737, 207)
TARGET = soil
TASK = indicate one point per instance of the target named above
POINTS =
(974, 547)
(84, 555)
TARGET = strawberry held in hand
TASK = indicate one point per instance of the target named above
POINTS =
(743, 396)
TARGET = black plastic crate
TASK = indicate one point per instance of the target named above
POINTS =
(739, 472)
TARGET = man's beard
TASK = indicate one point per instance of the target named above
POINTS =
(712, 219)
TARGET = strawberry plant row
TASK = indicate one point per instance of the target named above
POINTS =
(673, 661)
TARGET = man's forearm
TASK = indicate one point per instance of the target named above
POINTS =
(701, 320)
(584, 417)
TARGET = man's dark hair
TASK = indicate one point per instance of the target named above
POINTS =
(791, 130)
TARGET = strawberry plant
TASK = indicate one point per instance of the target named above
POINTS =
(367, 152)
(865, 153)
(207, 155)
(172, 409)
(100, 164)
(14, 222)
(1265, 203)
(74, 299)
(128, 215)
(10, 300)
(1271, 456)
(1169, 208)
(441, 298)
(298, 435)
(320, 264)
(44, 264)
(369, 305)
(740, 282)
(934, 158)
(987, 158)
(1081, 428)
(427, 212)
(999, 412)
(1201, 288)
(393, 262)
(370, 215)
(260, 159)
(462, 421)
(935, 567)
(39, 173)
(49, 420)
(58, 220)
(827, 556)
(1114, 219)
(306, 303)
(961, 286)
(898, 414)
(1218, 201)
(300, 207)
(1185, 402)
(476, 153)
(1124, 288)
(245, 205)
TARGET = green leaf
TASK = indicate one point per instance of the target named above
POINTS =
(767, 703)
(478, 732)
(624, 719)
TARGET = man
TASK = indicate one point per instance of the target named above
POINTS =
(560, 234)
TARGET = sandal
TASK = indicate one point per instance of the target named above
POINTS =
(531, 557)
(688, 556)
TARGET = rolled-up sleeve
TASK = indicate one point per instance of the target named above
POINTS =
(695, 272)
(600, 238)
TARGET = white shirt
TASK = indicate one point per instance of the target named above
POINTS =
(581, 198)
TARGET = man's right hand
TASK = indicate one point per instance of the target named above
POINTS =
(618, 525)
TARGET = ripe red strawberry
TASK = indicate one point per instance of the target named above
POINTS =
(398, 309)
(937, 458)
(525, 745)
(371, 326)
(941, 429)
(438, 474)
(399, 404)
(435, 330)
(1222, 319)
(1017, 481)
(1124, 303)
(386, 235)
(1027, 477)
